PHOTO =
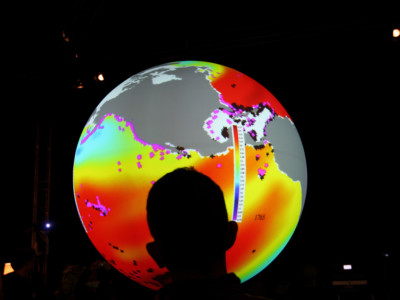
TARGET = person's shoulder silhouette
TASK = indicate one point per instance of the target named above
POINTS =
(188, 220)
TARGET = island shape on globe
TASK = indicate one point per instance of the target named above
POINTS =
(198, 114)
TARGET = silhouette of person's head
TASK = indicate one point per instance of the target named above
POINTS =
(188, 220)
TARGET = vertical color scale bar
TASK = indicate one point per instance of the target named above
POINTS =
(239, 172)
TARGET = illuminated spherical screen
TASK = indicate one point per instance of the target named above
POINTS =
(180, 114)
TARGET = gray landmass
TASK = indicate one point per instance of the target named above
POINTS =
(288, 151)
(174, 112)
(164, 113)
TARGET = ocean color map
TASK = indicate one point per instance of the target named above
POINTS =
(119, 156)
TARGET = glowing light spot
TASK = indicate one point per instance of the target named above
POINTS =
(100, 77)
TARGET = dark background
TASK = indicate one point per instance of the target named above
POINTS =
(338, 79)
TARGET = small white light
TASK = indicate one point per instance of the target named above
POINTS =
(47, 225)
(396, 32)
(100, 77)
(347, 267)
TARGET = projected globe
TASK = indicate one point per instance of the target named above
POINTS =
(181, 114)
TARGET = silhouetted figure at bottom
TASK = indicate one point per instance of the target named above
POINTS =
(188, 220)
